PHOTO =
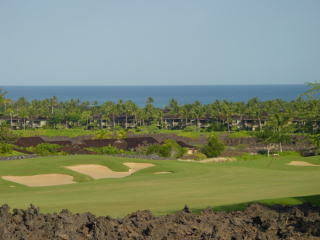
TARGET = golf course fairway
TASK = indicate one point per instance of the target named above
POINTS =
(199, 185)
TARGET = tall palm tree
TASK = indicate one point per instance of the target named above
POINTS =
(110, 108)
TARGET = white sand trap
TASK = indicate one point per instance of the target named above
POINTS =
(41, 180)
(303, 164)
(209, 160)
(218, 159)
(97, 171)
(162, 172)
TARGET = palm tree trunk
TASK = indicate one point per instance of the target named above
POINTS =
(260, 124)
(11, 120)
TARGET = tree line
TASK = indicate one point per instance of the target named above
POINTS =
(304, 111)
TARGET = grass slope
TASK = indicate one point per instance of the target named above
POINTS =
(196, 184)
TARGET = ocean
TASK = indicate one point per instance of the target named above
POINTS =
(161, 94)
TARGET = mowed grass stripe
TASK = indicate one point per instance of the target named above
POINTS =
(197, 184)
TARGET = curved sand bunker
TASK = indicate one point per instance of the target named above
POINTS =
(41, 180)
(210, 160)
(301, 163)
(97, 171)
(162, 172)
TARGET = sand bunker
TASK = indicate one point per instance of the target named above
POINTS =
(41, 180)
(162, 172)
(301, 163)
(218, 159)
(209, 160)
(97, 171)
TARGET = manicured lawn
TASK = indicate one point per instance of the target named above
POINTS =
(198, 185)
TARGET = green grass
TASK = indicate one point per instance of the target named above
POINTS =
(229, 185)
(13, 153)
(240, 134)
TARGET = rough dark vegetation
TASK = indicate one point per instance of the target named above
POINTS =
(235, 146)
(29, 141)
(161, 137)
(75, 149)
(256, 222)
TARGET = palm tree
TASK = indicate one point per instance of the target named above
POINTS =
(197, 111)
(314, 91)
(280, 126)
(254, 110)
(85, 116)
(149, 111)
(129, 109)
(53, 103)
(3, 93)
(186, 112)
(110, 108)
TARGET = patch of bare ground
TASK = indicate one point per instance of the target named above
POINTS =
(97, 171)
(302, 164)
(41, 180)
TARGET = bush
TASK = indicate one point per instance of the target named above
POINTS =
(198, 156)
(6, 134)
(45, 149)
(191, 129)
(169, 148)
(103, 134)
(5, 148)
(214, 147)
(106, 150)
(153, 128)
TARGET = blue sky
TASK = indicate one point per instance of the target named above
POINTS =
(167, 42)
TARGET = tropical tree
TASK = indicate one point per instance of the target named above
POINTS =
(313, 91)
(85, 117)
(2, 97)
(129, 109)
(213, 148)
(280, 128)
(109, 108)
(197, 111)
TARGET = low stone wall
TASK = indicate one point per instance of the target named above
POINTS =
(18, 157)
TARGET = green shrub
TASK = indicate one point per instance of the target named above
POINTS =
(106, 150)
(6, 134)
(151, 149)
(103, 134)
(45, 149)
(214, 147)
(191, 129)
(6, 148)
(153, 128)
(198, 156)
(169, 148)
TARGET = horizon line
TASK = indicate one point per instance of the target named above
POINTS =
(177, 85)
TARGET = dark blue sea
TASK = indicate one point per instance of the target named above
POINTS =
(161, 94)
